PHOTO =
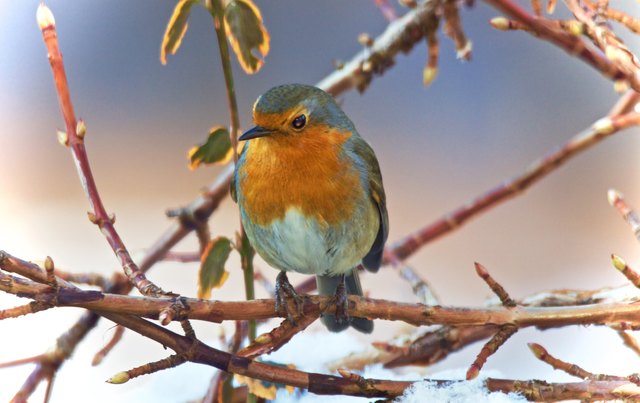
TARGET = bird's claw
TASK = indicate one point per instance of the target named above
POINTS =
(285, 290)
(342, 303)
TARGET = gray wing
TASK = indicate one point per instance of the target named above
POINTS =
(373, 259)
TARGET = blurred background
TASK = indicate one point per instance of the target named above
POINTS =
(476, 125)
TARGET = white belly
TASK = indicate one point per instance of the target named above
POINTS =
(294, 243)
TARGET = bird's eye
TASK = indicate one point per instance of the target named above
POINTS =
(299, 122)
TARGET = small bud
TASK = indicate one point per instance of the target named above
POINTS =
(112, 218)
(464, 52)
(428, 75)
(338, 64)
(538, 350)
(576, 28)
(620, 86)
(263, 338)
(603, 126)
(365, 39)
(44, 16)
(612, 53)
(81, 128)
(500, 23)
(48, 264)
(367, 67)
(63, 138)
(618, 262)
(473, 372)
(613, 196)
(551, 6)
(92, 217)
(480, 270)
(408, 3)
(344, 373)
(119, 378)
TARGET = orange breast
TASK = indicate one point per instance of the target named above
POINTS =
(305, 171)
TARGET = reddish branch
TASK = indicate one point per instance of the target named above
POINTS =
(621, 116)
(572, 44)
(75, 141)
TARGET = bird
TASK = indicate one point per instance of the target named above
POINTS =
(311, 197)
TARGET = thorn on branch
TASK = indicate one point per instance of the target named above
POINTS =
(490, 348)
(495, 286)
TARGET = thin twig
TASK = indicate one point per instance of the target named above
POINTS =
(75, 141)
(490, 348)
(495, 286)
(115, 338)
(572, 369)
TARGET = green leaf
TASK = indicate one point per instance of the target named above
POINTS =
(217, 149)
(246, 33)
(212, 273)
(176, 29)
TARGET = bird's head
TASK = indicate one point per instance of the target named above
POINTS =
(296, 110)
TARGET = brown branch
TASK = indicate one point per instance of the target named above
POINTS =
(605, 39)
(632, 24)
(619, 118)
(400, 36)
(330, 385)
(436, 345)
(415, 314)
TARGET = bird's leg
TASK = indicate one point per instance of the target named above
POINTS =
(284, 289)
(342, 302)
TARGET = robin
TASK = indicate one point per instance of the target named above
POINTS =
(311, 198)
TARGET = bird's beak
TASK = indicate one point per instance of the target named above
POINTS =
(254, 132)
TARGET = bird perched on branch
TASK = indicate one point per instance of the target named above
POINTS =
(311, 198)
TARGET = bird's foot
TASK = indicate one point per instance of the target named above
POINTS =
(342, 303)
(285, 290)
